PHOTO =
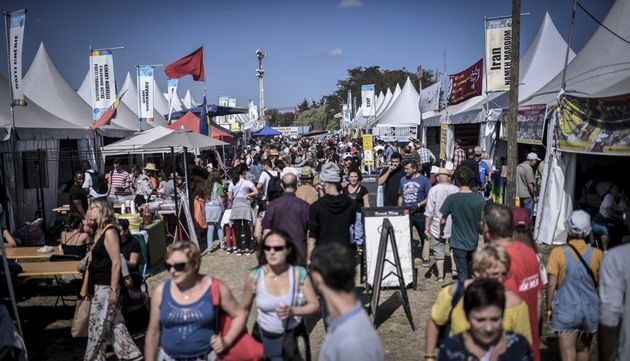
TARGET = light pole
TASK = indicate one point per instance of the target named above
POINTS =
(260, 73)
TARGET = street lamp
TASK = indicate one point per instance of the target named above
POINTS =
(260, 73)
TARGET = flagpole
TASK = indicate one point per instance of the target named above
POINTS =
(14, 151)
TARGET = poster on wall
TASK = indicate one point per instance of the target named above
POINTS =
(530, 126)
(498, 53)
(373, 222)
(594, 125)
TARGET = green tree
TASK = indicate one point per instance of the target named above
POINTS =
(315, 117)
(278, 118)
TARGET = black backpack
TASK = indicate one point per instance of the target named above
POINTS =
(445, 329)
(274, 188)
(99, 184)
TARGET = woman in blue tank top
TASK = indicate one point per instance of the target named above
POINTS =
(284, 295)
(182, 323)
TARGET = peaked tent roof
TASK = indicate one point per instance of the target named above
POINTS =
(177, 102)
(191, 121)
(189, 102)
(160, 103)
(130, 99)
(34, 122)
(44, 84)
(124, 116)
(601, 66)
(404, 110)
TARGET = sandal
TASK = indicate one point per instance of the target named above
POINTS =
(440, 279)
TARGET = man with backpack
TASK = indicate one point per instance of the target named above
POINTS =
(94, 183)
(269, 183)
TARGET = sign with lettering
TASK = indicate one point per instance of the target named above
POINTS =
(367, 100)
(16, 37)
(145, 93)
(466, 84)
(102, 77)
(498, 53)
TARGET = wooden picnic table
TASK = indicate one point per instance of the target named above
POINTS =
(49, 269)
(30, 253)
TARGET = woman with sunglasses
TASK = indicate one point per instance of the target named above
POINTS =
(489, 261)
(182, 321)
(106, 322)
(284, 295)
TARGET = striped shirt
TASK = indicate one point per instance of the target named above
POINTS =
(119, 179)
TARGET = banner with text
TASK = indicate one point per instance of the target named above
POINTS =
(171, 90)
(16, 38)
(367, 100)
(145, 93)
(498, 53)
(430, 98)
(594, 125)
(368, 150)
(530, 124)
(103, 85)
(466, 84)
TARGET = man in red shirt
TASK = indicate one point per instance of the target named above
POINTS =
(524, 276)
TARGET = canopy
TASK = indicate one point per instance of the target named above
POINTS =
(133, 144)
(191, 121)
(266, 131)
(183, 138)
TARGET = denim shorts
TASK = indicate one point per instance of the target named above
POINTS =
(569, 317)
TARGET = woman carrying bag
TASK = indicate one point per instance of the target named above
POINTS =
(106, 322)
(284, 295)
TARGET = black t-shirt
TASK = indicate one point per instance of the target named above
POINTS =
(77, 192)
(474, 166)
(130, 246)
(391, 186)
(357, 195)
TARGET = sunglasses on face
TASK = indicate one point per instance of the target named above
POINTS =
(275, 248)
(179, 266)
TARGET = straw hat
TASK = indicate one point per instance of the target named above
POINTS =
(307, 173)
(443, 171)
(150, 166)
(273, 152)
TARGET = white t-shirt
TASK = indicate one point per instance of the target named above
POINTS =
(264, 180)
(241, 189)
(436, 197)
(609, 202)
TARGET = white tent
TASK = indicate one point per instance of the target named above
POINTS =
(160, 103)
(189, 102)
(124, 116)
(130, 99)
(176, 104)
(404, 110)
(134, 144)
(44, 84)
(601, 68)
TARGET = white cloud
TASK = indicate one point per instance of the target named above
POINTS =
(348, 4)
(334, 52)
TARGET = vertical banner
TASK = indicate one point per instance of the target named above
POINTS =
(367, 100)
(103, 85)
(498, 53)
(349, 102)
(16, 20)
(345, 117)
(466, 84)
(443, 139)
(368, 150)
(231, 103)
(145, 93)
(172, 92)
(430, 98)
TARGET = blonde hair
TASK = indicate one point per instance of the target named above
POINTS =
(189, 249)
(106, 210)
(488, 256)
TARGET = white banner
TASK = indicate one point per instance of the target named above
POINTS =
(103, 85)
(145, 93)
(367, 100)
(430, 98)
(172, 92)
(498, 54)
(16, 37)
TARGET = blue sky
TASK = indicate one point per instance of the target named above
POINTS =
(309, 43)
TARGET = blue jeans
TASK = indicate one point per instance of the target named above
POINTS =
(463, 263)
(211, 235)
(528, 203)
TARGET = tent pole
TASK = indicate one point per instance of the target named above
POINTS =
(172, 176)
(566, 56)
(5, 264)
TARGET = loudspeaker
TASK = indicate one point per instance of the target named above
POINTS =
(35, 167)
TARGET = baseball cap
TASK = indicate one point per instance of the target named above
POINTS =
(532, 156)
(520, 218)
(477, 150)
(579, 224)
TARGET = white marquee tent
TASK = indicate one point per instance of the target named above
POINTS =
(130, 99)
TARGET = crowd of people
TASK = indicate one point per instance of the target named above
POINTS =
(297, 205)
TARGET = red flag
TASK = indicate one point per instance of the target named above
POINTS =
(191, 64)
(466, 84)
(109, 114)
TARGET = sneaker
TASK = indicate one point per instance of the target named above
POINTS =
(426, 263)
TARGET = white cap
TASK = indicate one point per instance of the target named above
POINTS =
(532, 156)
(579, 224)
(434, 169)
